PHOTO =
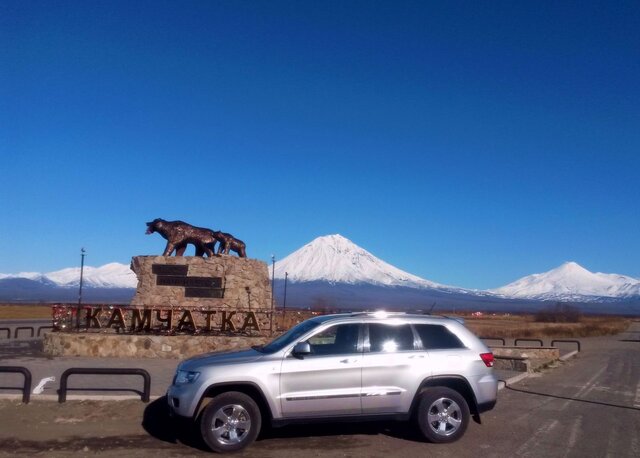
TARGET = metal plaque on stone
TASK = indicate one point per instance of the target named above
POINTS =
(170, 269)
(189, 282)
(204, 292)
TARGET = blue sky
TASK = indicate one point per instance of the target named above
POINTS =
(470, 143)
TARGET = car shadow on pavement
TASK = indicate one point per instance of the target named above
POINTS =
(398, 430)
(569, 398)
(157, 422)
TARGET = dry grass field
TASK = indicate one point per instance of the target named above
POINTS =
(525, 326)
(510, 325)
(503, 325)
(24, 311)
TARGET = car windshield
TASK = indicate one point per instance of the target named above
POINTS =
(292, 334)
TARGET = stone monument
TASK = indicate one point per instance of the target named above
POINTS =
(183, 305)
(193, 281)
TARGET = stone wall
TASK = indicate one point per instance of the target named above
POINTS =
(245, 281)
(549, 353)
(524, 359)
(141, 346)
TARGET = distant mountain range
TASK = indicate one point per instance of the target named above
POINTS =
(332, 271)
(572, 282)
(111, 283)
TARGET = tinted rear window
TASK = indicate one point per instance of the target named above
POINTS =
(389, 339)
(436, 337)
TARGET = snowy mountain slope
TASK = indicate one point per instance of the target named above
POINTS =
(333, 264)
(113, 275)
(570, 281)
(335, 259)
(28, 275)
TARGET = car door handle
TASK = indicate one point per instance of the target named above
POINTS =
(349, 360)
(416, 356)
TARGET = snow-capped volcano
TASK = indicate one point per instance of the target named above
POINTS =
(570, 281)
(336, 259)
(113, 275)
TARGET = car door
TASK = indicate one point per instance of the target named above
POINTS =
(327, 381)
(392, 368)
(447, 354)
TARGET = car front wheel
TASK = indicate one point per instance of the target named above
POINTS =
(443, 415)
(230, 422)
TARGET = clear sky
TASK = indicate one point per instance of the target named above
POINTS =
(470, 143)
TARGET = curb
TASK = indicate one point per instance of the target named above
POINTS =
(517, 378)
(76, 397)
(512, 380)
(569, 355)
(127, 397)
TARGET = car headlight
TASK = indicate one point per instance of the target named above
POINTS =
(183, 377)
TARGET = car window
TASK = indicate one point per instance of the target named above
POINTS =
(336, 340)
(387, 338)
(436, 337)
(292, 334)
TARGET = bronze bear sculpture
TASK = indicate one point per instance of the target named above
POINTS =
(229, 242)
(180, 234)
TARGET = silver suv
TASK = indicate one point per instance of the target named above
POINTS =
(351, 366)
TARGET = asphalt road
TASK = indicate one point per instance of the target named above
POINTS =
(588, 406)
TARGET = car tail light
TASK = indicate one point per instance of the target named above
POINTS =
(487, 359)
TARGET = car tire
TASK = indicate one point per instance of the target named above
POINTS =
(443, 415)
(230, 422)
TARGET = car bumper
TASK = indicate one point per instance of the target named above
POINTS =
(486, 389)
(181, 400)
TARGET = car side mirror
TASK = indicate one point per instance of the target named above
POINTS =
(301, 349)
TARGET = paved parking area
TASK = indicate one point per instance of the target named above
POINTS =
(586, 406)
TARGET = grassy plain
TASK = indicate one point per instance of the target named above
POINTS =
(525, 326)
(502, 325)
(24, 311)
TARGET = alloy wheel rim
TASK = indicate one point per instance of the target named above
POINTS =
(231, 424)
(444, 417)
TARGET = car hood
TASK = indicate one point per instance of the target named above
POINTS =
(219, 358)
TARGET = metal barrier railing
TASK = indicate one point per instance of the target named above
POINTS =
(62, 393)
(577, 342)
(8, 331)
(494, 338)
(515, 342)
(26, 387)
(23, 328)
(43, 327)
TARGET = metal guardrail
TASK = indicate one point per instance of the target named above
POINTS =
(577, 342)
(23, 328)
(26, 387)
(515, 342)
(62, 392)
(26, 328)
(494, 338)
(44, 327)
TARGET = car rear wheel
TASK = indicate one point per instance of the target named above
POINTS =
(443, 415)
(230, 422)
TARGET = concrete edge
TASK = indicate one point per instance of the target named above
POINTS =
(512, 380)
(569, 355)
(127, 397)
(77, 397)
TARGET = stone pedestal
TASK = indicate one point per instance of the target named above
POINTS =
(140, 346)
(193, 281)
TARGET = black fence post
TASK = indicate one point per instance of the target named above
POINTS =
(23, 328)
(528, 340)
(577, 342)
(62, 392)
(26, 387)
